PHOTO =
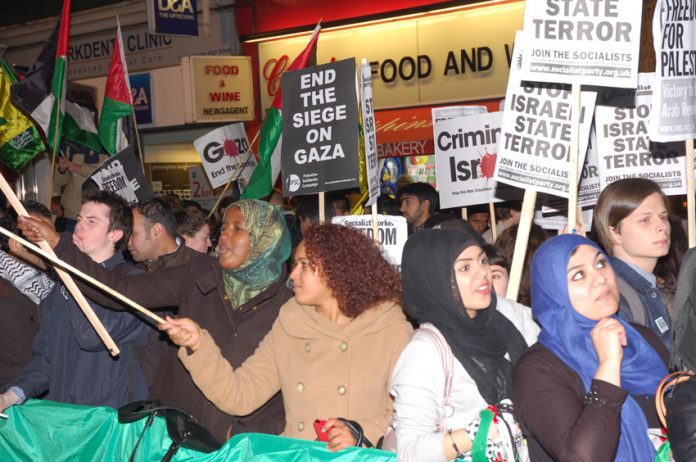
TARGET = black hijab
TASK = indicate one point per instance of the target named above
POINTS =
(431, 295)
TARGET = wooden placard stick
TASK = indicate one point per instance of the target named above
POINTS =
(322, 202)
(690, 206)
(375, 225)
(492, 221)
(465, 213)
(65, 277)
(523, 229)
(234, 174)
(574, 156)
(71, 269)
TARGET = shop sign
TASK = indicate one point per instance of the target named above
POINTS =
(222, 88)
(172, 17)
(427, 60)
(141, 93)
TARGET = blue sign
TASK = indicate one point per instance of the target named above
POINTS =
(173, 17)
(141, 92)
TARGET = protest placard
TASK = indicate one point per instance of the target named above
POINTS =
(122, 175)
(534, 144)
(625, 150)
(222, 150)
(588, 187)
(450, 112)
(673, 115)
(586, 42)
(392, 231)
(465, 153)
(369, 132)
(556, 222)
(320, 129)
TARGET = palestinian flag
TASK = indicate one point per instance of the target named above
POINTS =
(42, 93)
(116, 128)
(80, 126)
(270, 139)
(19, 139)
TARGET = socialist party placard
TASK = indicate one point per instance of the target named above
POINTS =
(534, 144)
(369, 132)
(625, 150)
(673, 115)
(392, 233)
(222, 151)
(465, 152)
(590, 42)
(320, 129)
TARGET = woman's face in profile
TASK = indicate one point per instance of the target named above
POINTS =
(592, 285)
(473, 276)
(234, 245)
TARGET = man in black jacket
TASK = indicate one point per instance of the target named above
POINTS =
(70, 362)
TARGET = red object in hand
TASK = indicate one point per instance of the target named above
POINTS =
(319, 428)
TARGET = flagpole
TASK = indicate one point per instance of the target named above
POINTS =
(234, 174)
(55, 145)
(137, 138)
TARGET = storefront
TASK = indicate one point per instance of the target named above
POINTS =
(432, 55)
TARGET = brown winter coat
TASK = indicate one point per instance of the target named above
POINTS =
(323, 370)
(199, 291)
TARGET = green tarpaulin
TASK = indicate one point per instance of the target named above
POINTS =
(50, 431)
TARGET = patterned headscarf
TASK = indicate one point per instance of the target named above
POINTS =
(270, 245)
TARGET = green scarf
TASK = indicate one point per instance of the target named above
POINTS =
(270, 247)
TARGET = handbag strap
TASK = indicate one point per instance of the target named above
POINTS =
(668, 383)
(447, 360)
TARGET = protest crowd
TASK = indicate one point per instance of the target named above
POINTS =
(322, 294)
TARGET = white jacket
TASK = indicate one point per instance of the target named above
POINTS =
(418, 387)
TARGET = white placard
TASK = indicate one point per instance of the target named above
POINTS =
(392, 231)
(450, 112)
(557, 222)
(465, 153)
(369, 132)
(222, 150)
(534, 145)
(587, 42)
(673, 115)
(625, 151)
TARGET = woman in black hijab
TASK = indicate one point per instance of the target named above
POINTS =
(459, 363)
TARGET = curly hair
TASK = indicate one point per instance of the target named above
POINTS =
(353, 268)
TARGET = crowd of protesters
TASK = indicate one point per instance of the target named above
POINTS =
(277, 323)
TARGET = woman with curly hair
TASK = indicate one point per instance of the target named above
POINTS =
(330, 352)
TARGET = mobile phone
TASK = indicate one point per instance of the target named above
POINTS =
(318, 427)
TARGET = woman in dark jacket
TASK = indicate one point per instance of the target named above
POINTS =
(585, 391)
(236, 298)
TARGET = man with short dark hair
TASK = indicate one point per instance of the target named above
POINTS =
(154, 241)
(155, 245)
(70, 362)
(419, 202)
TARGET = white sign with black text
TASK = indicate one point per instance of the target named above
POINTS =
(369, 132)
(534, 144)
(625, 150)
(587, 42)
(392, 232)
(465, 153)
(673, 115)
(222, 150)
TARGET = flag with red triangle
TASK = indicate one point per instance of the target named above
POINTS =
(42, 92)
(270, 138)
(116, 127)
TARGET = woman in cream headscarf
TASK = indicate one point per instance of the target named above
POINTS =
(236, 298)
